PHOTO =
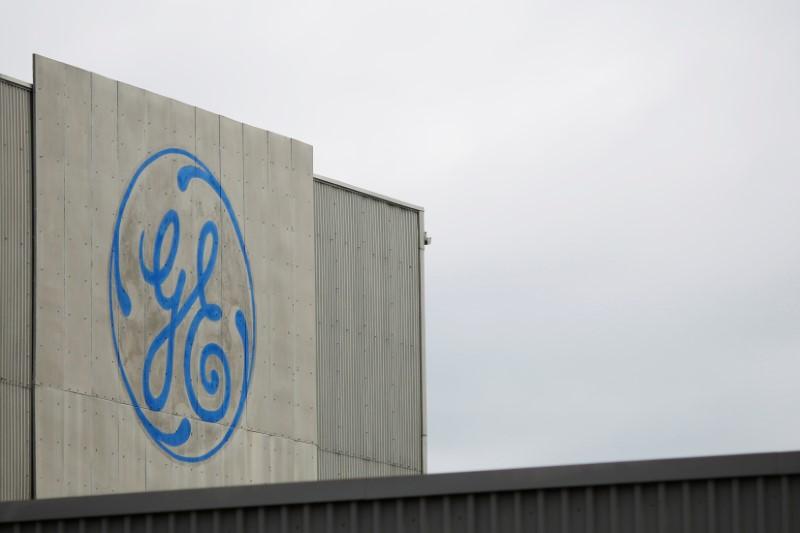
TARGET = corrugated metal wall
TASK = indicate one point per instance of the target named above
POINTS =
(15, 291)
(339, 466)
(369, 350)
(744, 494)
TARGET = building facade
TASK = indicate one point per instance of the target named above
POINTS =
(187, 305)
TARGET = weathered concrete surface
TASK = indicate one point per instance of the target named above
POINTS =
(92, 134)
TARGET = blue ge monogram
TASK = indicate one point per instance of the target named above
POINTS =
(187, 307)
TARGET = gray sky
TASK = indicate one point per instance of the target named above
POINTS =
(613, 189)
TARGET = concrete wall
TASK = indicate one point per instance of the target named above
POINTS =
(370, 346)
(15, 291)
(120, 174)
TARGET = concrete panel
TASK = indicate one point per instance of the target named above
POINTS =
(235, 460)
(256, 213)
(306, 459)
(107, 187)
(131, 151)
(259, 464)
(147, 351)
(305, 379)
(108, 464)
(148, 203)
(231, 285)
(279, 308)
(132, 452)
(271, 190)
(283, 458)
(208, 208)
(77, 439)
(49, 451)
(78, 231)
(49, 94)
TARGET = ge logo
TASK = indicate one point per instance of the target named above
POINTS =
(182, 306)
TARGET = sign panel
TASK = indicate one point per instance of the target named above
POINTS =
(174, 294)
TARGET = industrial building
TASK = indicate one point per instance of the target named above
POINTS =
(191, 318)
(186, 304)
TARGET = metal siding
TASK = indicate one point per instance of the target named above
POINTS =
(697, 495)
(15, 288)
(422, 343)
(15, 442)
(368, 334)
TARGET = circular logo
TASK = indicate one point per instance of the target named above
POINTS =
(181, 305)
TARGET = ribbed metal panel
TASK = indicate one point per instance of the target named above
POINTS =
(759, 494)
(15, 290)
(15, 442)
(15, 233)
(368, 334)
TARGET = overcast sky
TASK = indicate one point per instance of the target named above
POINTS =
(612, 188)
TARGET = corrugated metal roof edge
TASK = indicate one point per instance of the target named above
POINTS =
(365, 192)
(15, 81)
(661, 470)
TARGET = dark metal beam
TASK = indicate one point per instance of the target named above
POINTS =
(599, 474)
